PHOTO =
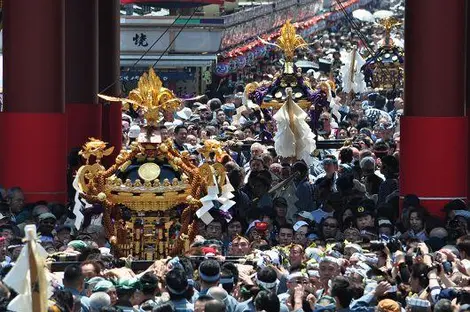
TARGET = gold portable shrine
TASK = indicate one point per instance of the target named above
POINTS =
(150, 193)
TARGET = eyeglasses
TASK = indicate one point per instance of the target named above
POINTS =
(330, 225)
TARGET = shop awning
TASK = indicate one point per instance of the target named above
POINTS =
(170, 61)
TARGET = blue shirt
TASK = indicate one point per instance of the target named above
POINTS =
(183, 305)
(304, 193)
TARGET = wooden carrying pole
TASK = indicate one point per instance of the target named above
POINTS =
(34, 275)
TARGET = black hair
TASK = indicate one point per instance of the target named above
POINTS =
(443, 305)
(96, 266)
(286, 226)
(235, 177)
(363, 123)
(63, 299)
(267, 275)
(341, 289)
(210, 268)
(149, 283)
(164, 307)
(345, 182)
(187, 266)
(375, 182)
(463, 244)
(300, 167)
(72, 274)
(204, 298)
(391, 163)
(176, 280)
(352, 115)
(420, 271)
(214, 104)
(380, 102)
(12, 191)
(229, 267)
(421, 213)
(267, 301)
(346, 155)
(179, 127)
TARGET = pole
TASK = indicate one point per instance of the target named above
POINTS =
(353, 65)
(34, 277)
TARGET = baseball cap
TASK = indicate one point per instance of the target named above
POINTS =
(365, 207)
(228, 107)
(62, 227)
(305, 215)
(45, 216)
(384, 222)
(456, 204)
(280, 201)
(299, 224)
(103, 285)
(411, 200)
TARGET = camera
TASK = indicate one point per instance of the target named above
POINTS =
(393, 245)
(377, 246)
(447, 266)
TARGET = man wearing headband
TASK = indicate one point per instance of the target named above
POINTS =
(127, 294)
(329, 268)
(209, 276)
(240, 246)
(177, 286)
(108, 288)
(200, 303)
(149, 288)
(293, 280)
(228, 277)
(266, 279)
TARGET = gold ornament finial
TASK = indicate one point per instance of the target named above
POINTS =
(388, 24)
(288, 41)
(151, 97)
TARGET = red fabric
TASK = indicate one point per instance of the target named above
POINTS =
(433, 159)
(34, 154)
(83, 122)
(207, 250)
(112, 130)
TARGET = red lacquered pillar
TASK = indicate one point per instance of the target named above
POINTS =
(434, 129)
(32, 126)
(109, 71)
(81, 72)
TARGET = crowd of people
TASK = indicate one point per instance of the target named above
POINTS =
(332, 239)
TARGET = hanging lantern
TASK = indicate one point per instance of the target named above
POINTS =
(222, 69)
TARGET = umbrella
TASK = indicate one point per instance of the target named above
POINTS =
(383, 14)
(363, 15)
